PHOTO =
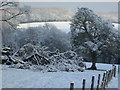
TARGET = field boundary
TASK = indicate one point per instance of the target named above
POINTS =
(106, 79)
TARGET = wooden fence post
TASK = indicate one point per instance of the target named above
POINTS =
(102, 84)
(83, 87)
(104, 81)
(92, 84)
(110, 75)
(98, 83)
(107, 76)
(72, 86)
(114, 71)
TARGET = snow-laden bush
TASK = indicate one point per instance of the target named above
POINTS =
(5, 57)
(44, 60)
(32, 53)
(46, 35)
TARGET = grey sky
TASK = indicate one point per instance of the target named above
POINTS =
(96, 6)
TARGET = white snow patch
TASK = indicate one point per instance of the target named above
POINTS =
(64, 26)
(116, 25)
(17, 78)
(114, 82)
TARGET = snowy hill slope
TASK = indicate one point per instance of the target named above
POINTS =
(17, 78)
(64, 26)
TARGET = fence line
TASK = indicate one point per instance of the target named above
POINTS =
(107, 77)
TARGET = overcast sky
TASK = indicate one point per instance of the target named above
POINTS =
(95, 6)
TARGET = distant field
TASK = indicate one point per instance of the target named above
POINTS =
(64, 26)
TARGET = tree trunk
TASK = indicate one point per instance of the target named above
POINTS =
(94, 59)
(93, 67)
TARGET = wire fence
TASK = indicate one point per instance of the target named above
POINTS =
(106, 79)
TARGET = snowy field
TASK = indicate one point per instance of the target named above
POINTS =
(18, 78)
(64, 26)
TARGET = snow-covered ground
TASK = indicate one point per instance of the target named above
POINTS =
(64, 26)
(18, 78)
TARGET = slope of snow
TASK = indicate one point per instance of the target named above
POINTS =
(101, 66)
(64, 26)
(116, 25)
(17, 78)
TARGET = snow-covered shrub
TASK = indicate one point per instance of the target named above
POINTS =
(54, 38)
(46, 61)
(60, 62)
(70, 54)
(25, 52)
(47, 35)
(32, 53)
(5, 58)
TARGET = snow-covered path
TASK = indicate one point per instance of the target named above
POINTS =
(17, 78)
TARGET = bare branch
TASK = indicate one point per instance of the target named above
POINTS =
(20, 13)
(3, 4)
(8, 4)
(13, 26)
(7, 11)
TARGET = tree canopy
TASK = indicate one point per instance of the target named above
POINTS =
(91, 35)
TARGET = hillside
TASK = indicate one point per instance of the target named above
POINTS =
(63, 14)
(113, 16)
(57, 14)
(48, 14)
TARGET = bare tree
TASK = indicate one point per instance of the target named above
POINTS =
(11, 10)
